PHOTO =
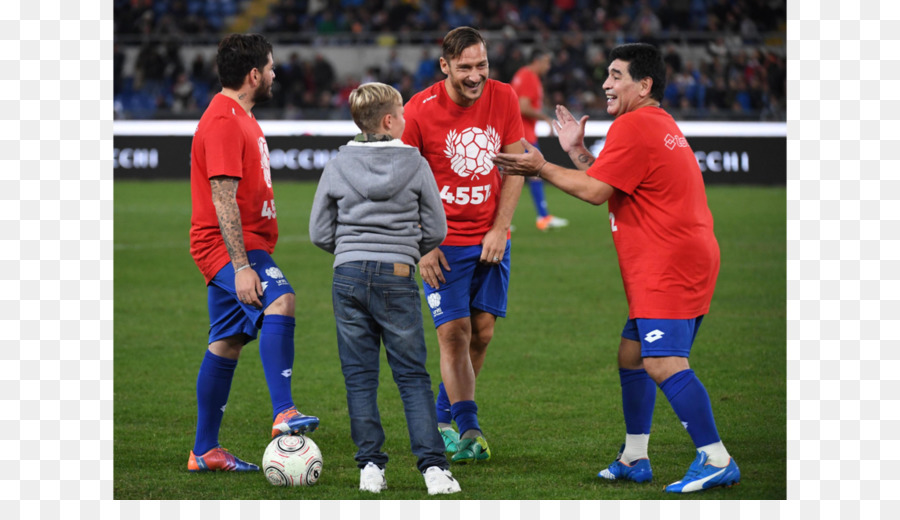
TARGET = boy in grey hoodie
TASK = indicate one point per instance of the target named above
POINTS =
(378, 210)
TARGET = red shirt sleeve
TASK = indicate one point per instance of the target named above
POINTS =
(514, 129)
(620, 163)
(412, 135)
(224, 145)
(526, 86)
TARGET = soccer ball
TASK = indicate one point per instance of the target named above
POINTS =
(292, 460)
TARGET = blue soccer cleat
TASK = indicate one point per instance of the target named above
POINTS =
(702, 475)
(638, 471)
(292, 422)
(218, 459)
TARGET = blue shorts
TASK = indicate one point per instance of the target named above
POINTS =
(227, 315)
(470, 285)
(663, 337)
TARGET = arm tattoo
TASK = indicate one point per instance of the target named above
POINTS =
(587, 159)
(224, 195)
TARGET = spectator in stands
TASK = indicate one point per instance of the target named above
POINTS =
(565, 25)
(323, 72)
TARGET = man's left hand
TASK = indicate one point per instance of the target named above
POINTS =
(525, 164)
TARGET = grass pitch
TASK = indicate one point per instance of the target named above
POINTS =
(548, 397)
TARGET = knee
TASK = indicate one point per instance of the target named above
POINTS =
(481, 338)
(661, 368)
(229, 348)
(454, 337)
(283, 305)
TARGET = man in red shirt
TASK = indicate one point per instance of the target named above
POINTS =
(668, 255)
(233, 233)
(458, 125)
(527, 82)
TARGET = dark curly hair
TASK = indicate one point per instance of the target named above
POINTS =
(239, 54)
(644, 60)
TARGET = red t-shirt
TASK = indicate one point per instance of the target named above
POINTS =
(459, 144)
(661, 223)
(528, 84)
(229, 142)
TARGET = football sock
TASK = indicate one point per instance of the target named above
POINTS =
(638, 400)
(718, 455)
(465, 413)
(276, 349)
(442, 406)
(537, 195)
(635, 447)
(691, 404)
(213, 386)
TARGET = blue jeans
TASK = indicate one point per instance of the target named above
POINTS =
(371, 305)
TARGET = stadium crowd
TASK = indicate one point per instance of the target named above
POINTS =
(725, 58)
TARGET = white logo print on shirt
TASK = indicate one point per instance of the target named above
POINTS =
(471, 152)
(264, 161)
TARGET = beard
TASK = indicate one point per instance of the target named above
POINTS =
(464, 91)
(262, 93)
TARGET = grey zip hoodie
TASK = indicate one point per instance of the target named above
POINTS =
(377, 201)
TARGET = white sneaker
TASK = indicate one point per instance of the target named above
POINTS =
(371, 478)
(550, 222)
(440, 481)
(558, 222)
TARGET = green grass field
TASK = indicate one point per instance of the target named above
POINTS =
(549, 395)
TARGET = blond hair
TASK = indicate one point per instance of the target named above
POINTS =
(370, 102)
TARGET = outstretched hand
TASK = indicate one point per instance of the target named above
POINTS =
(525, 164)
(570, 131)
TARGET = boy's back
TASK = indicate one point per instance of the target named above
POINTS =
(377, 201)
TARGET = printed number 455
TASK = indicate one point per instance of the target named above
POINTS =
(268, 209)
(466, 195)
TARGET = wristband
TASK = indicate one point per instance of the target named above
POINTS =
(539, 170)
(239, 269)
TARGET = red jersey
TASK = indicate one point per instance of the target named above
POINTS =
(459, 144)
(229, 142)
(528, 84)
(661, 223)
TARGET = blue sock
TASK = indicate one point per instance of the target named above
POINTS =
(465, 413)
(276, 349)
(537, 195)
(213, 386)
(638, 400)
(689, 399)
(442, 406)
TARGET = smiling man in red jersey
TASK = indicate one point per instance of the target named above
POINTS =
(458, 125)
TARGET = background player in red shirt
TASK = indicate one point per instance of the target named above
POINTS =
(233, 233)
(458, 125)
(668, 255)
(527, 82)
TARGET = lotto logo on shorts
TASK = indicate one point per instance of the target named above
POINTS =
(653, 336)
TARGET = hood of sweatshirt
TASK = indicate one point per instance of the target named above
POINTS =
(378, 170)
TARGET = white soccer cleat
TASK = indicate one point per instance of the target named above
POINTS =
(440, 481)
(551, 222)
(371, 478)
